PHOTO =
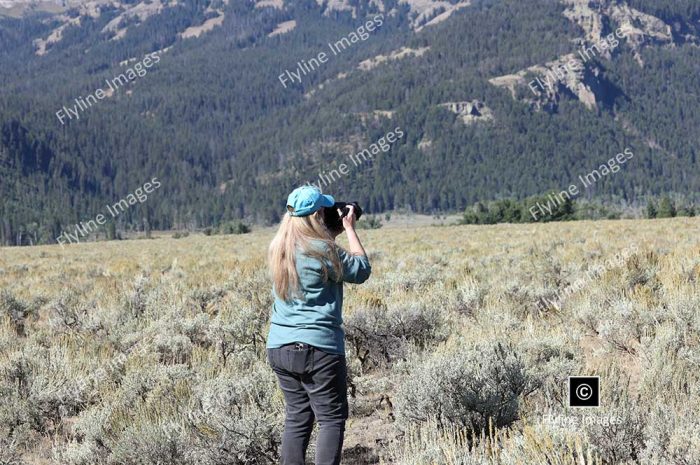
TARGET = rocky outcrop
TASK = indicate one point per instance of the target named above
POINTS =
(606, 24)
(443, 16)
(641, 29)
(403, 52)
(542, 86)
(423, 13)
(425, 145)
(140, 11)
(279, 4)
(206, 26)
(429, 12)
(283, 28)
(375, 115)
(470, 112)
(371, 63)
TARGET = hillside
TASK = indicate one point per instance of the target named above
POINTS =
(228, 105)
(152, 351)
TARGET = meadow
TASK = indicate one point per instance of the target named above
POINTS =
(152, 351)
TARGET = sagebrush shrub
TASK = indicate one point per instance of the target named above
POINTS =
(641, 269)
(151, 443)
(470, 296)
(670, 386)
(237, 420)
(136, 299)
(69, 313)
(10, 454)
(379, 336)
(16, 309)
(15, 422)
(467, 388)
(36, 380)
(550, 361)
(672, 435)
(206, 298)
(173, 348)
(430, 443)
(135, 424)
(622, 440)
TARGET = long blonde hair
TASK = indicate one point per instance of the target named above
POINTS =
(295, 234)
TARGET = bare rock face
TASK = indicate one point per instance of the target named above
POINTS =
(641, 29)
(587, 14)
(542, 86)
(470, 112)
(606, 24)
(403, 52)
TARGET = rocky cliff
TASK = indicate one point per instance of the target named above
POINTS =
(607, 27)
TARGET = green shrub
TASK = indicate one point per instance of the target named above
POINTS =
(667, 208)
(370, 222)
(235, 227)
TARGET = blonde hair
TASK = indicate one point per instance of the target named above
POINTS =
(295, 235)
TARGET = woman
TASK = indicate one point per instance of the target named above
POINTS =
(306, 346)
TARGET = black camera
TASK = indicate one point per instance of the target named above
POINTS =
(334, 220)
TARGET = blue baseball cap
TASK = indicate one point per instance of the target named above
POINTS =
(306, 200)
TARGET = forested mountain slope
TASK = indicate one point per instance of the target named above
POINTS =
(99, 97)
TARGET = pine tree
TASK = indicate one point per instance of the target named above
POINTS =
(666, 208)
(652, 211)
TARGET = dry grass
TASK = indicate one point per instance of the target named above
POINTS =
(151, 351)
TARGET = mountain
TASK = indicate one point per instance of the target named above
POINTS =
(417, 104)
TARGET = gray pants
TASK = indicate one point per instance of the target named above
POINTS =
(315, 387)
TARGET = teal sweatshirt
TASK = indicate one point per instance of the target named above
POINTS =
(315, 317)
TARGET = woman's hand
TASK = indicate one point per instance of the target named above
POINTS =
(349, 226)
(349, 219)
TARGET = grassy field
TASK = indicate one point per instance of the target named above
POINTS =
(459, 346)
